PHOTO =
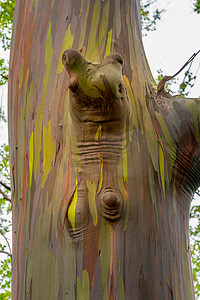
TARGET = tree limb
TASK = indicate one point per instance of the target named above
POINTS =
(198, 193)
(5, 252)
(161, 85)
(5, 196)
(7, 242)
(5, 77)
(5, 185)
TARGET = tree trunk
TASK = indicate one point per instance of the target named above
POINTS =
(103, 167)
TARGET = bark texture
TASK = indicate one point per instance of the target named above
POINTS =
(103, 169)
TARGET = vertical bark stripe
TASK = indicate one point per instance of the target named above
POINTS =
(92, 200)
(67, 43)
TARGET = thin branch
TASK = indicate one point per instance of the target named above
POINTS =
(5, 185)
(5, 196)
(198, 193)
(187, 62)
(160, 87)
(5, 77)
(5, 252)
(7, 242)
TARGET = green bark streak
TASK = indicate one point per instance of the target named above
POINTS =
(193, 108)
(133, 113)
(83, 291)
(49, 274)
(103, 29)
(67, 43)
(124, 154)
(31, 158)
(108, 45)
(48, 152)
(117, 18)
(151, 139)
(169, 141)
(91, 200)
(39, 121)
(120, 289)
(105, 256)
(186, 274)
(162, 167)
(29, 103)
(92, 51)
(21, 74)
(83, 27)
(20, 154)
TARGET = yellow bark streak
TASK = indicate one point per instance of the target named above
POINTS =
(186, 273)
(48, 152)
(92, 50)
(108, 45)
(105, 240)
(98, 133)
(162, 167)
(39, 120)
(100, 175)
(21, 74)
(103, 27)
(124, 154)
(83, 291)
(72, 208)
(169, 140)
(67, 43)
(31, 158)
(92, 200)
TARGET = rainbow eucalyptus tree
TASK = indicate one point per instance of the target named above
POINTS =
(103, 163)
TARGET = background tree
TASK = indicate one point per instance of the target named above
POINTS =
(149, 17)
(144, 206)
(5, 224)
(6, 20)
(197, 6)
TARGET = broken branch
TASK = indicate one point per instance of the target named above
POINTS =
(161, 85)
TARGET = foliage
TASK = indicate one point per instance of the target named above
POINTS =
(5, 224)
(149, 17)
(5, 279)
(184, 88)
(195, 244)
(2, 115)
(168, 84)
(4, 173)
(187, 84)
(3, 71)
(197, 6)
(6, 20)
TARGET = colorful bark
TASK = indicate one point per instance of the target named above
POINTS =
(103, 170)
